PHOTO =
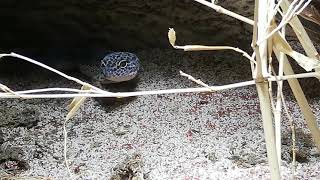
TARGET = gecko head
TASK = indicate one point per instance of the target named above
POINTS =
(120, 66)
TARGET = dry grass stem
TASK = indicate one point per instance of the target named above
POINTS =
(222, 10)
(292, 11)
(198, 81)
(55, 90)
(65, 140)
(50, 69)
(294, 76)
(214, 48)
(5, 88)
(130, 94)
(172, 39)
(278, 108)
(293, 135)
(93, 93)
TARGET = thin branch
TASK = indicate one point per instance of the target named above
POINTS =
(293, 134)
(214, 48)
(294, 76)
(50, 69)
(65, 140)
(129, 94)
(95, 93)
(222, 10)
(198, 81)
(58, 89)
(285, 20)
(274, 12)
(7, 89)
(303, 7)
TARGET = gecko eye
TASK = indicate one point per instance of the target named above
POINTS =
(123, 64)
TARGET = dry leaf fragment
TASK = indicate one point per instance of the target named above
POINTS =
(172, 36)
(75, 104)
(282, 45)
(305, 62)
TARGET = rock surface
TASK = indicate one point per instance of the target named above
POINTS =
(118, 24)
(94, 26)
(121, 24)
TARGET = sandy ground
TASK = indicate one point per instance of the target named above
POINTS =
(175, 136)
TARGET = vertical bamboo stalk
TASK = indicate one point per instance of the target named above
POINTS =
(278, 108)
(259, 31)
(267, 119)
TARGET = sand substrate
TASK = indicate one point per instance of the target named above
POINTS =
(175, 136)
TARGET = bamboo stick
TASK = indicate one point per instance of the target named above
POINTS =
(267, 119)
(222, 10)
(278, 108)
(259, 32)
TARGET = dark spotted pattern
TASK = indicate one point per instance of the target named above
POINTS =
(120, 66)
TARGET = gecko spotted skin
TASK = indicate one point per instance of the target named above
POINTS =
(115, 67)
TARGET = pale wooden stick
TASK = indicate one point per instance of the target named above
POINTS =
(261, 15)
(304, 6)
(130, 94)
(93, 93)
(7, 89)
(222, 10)
(56, 89)
(294, 76)
(50, 69)
(65, 140)
(214, 48)
(286, 18)
(172, 39)
(198, 81)
(293, 135)
(278, 109)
